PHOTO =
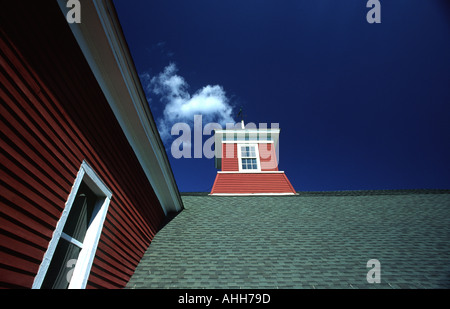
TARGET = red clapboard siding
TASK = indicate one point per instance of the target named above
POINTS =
(267, 157)
(230, 161)
(53, 116)
(252, 183)
(229, 157)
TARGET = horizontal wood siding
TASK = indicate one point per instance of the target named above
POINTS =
(229, 157)
(252, 183)
(268, 157)
(53, 116)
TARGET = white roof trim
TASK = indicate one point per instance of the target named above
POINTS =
(104, 46)
(250, 172)
(251, 194)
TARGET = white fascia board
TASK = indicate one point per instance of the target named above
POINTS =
(104, 46)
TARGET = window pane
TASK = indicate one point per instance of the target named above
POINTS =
(255, 167)
(61, 264)
(248, 152)
(81, 213)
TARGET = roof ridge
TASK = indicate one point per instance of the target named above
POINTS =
(375, 192)
(351, 192)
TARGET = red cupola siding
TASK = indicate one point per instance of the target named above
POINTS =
(248, 164)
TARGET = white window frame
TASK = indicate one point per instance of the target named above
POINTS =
(83, 266)
(239, 153)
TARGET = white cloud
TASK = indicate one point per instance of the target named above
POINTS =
(168, 84)
(180, 106)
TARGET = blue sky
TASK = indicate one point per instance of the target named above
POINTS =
(360, 106)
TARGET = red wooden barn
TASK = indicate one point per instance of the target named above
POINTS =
(248, 161)
(85, 182)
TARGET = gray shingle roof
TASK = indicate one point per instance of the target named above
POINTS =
(313, 240)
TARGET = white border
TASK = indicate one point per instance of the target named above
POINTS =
(83, 266)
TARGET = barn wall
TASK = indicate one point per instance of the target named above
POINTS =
(53, 116)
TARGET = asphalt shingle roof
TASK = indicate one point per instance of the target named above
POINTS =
(313, 240)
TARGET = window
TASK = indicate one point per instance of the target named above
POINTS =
(248, 152)
(249, 164)
(249, 158)
(68, 260)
